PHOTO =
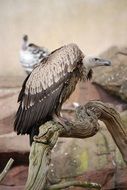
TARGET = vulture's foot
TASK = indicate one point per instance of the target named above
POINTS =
(62, 121)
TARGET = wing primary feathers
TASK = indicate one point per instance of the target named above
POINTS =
(37, 114)
(21, 94)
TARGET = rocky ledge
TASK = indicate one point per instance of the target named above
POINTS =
(114, 78)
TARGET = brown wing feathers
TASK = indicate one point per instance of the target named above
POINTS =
(41, 90)
(37, 113)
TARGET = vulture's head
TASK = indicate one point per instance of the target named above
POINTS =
(92, 62)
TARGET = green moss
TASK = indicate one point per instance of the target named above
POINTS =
(83, 158)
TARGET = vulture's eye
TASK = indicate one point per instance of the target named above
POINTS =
(96, 59)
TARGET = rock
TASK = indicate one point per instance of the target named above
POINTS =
(4, 187)
(8, 105)
(11, 82)
(112, 178)
(16, 176)
(114, 78)
(13, 146)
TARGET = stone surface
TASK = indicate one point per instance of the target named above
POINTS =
(16, 176)
(10, 82)
(109, 178)
(114, 78)
(13, 146)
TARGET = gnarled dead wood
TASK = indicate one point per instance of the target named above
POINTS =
(86, 125)
(74, 184)
(113, 122)
(40, 156)
(6, 169)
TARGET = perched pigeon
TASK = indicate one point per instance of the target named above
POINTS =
(31, 54)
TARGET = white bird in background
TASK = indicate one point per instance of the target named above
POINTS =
(31, 54)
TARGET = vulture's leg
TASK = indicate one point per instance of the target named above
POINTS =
(34, 131)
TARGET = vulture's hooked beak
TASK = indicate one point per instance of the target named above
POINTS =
(103, 62)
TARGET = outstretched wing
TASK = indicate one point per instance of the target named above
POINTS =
(42, 88)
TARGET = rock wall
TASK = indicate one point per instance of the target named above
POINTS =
(114, 78)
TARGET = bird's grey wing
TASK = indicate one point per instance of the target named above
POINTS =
(38, 50)
(41, 91)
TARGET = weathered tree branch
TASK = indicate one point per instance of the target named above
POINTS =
(86, 125)
(6, 169)
(40, 156)
(113, 122)
(74, 183)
